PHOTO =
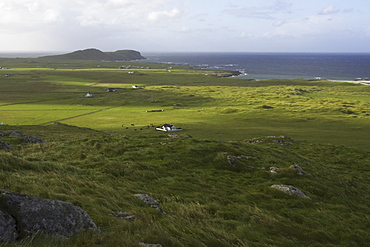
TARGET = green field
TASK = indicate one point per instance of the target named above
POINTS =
(204, 105)
(99, 151)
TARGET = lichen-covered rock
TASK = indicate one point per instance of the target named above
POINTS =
(33, 139)
(147, 199)
(125, 215)
(5, 145)
(8, 228)
(51, 217)
(289, 189)
(298, 169)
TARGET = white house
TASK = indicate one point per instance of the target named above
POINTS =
(168, 127)
(89, 95)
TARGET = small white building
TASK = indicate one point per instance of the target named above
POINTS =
(168, 127)
(89, 95)
(136, 87)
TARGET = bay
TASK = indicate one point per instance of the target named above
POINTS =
(331, 66)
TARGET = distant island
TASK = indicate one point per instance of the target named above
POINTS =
(95, 54)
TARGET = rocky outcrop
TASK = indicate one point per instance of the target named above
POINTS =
(298, 169)
(125, 216)
(147, 199)
(290, 190)
(33, 139)
(233, 159)
(33, 215)
(5, 145)
(16, 133)
(8, 228)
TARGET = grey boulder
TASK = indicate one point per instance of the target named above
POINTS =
(50, 217)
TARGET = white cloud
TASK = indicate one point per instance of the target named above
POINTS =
(110, 24)
(260, 12)
(163, 15)
(329, 10)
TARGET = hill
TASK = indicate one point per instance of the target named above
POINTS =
(95, 54)
(211, 193)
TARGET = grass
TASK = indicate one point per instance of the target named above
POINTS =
(105, 150)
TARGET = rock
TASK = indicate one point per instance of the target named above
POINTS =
(282, 142)
(298, 169)
(150, 245)
(231, 160)
(8, 228)
(147, 199)
(267, 107)
(125, 215)
(5, 145)
(274, 169)
(290, 190)
(16, 133)
(51, 217)
(2, 133)
(33, 139)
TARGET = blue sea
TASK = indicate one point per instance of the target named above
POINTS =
(330, 66)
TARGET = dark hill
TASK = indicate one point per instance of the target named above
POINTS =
(95, 54)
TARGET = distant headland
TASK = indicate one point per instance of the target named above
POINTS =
(95, 54)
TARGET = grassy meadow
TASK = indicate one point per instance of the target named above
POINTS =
(104, 149)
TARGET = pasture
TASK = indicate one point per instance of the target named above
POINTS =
(204, 104)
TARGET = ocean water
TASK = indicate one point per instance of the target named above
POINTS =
(24, 54)
(331, 66)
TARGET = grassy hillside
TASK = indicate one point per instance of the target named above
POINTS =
(208, 201)
(214, 178)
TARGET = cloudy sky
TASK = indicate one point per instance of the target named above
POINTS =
(186, 25)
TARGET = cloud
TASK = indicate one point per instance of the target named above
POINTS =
(260, 12)
(279, 23)
(68, 22)
(86, 12)
(329, 10)
(163, 15)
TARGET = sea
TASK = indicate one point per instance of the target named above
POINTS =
(260, 66)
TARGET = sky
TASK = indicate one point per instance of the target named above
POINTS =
(185, 25)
